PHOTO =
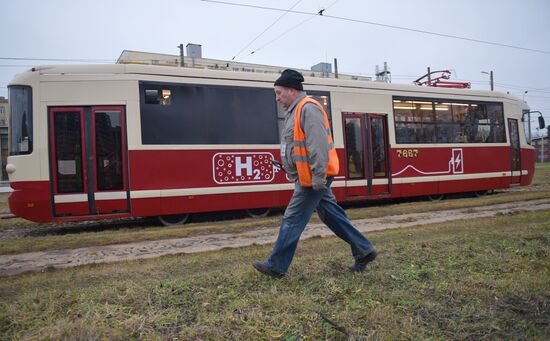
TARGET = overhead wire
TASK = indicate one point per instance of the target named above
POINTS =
(105, 61)
(57, 59)
(477, 82)
(313, 16)
(544, 97)
(266, 29)
(543, 90)
(6, 65)
(521, 87)
(278, 37)
(384, 25)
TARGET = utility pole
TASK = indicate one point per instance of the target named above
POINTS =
(335, 68)
(490, 73)
(181, 54)
(542, 149)
(384, 75)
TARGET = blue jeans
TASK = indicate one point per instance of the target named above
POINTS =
(303, 203)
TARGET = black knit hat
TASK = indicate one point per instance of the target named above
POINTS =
(291, 79)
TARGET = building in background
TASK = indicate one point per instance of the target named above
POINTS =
(4, 114)
(323, 68)
(542, 148)
(4, 111)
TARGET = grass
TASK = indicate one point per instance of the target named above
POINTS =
(485, 278)
(52, 237)
(545, 165)
(4, 202)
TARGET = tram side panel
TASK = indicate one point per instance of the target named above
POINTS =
(528, 160)
(189, 181)
(31, 200)
(167, 181)
(427, 170)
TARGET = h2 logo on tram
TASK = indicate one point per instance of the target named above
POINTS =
(235, 168)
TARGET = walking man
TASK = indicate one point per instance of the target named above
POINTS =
(310, 160)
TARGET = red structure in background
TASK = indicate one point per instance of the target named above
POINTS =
(441, 80)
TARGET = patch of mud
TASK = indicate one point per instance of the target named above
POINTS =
(60, 229)
(536, 308)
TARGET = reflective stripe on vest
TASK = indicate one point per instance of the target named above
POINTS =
(300, 148)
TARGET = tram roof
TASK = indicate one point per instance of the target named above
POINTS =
(187, 72)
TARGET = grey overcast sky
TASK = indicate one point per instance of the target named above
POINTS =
(100, 30)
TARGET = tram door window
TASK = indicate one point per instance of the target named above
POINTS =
(366, 142)
(379, 146)
(515, 152)
(108, 139)
(354, 148)
(88, 161)
(68, 152)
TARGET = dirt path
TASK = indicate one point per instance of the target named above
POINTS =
(40, 261)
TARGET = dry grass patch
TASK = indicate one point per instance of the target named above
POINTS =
(485, 278)
(65, 236)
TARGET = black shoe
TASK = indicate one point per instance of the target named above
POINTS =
(266, 270)
(361, 263)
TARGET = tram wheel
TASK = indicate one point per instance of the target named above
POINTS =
(258, 212)
(175, 219)
(480, 194)
(436, 197)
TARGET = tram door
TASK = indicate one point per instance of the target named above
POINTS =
(366, 142)
(515, 151)
(88, 161)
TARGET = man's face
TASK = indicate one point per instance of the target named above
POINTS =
(285, 95)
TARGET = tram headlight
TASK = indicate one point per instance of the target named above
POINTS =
(10, 168)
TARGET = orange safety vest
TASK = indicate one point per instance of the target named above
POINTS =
(300, 148)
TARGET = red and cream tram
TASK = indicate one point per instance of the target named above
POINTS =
(108, 141)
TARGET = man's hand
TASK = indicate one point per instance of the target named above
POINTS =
(319, 184)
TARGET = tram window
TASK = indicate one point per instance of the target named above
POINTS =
(320, 96)
(166, 94)
(108, 139)
(526, 119)
(20, 123)
(152, 97)
(378, 147)
(323, 98)
(405, 132)
(443, 112)
(354, 148)
(156, 96)
(68, 152)
(209, 114)
(281, 111)
(453, 122)
(459, 116)
(475, 127)
(414, 121)
(495, 115)
(426, 133)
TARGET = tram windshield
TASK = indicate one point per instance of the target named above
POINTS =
(20, 124)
